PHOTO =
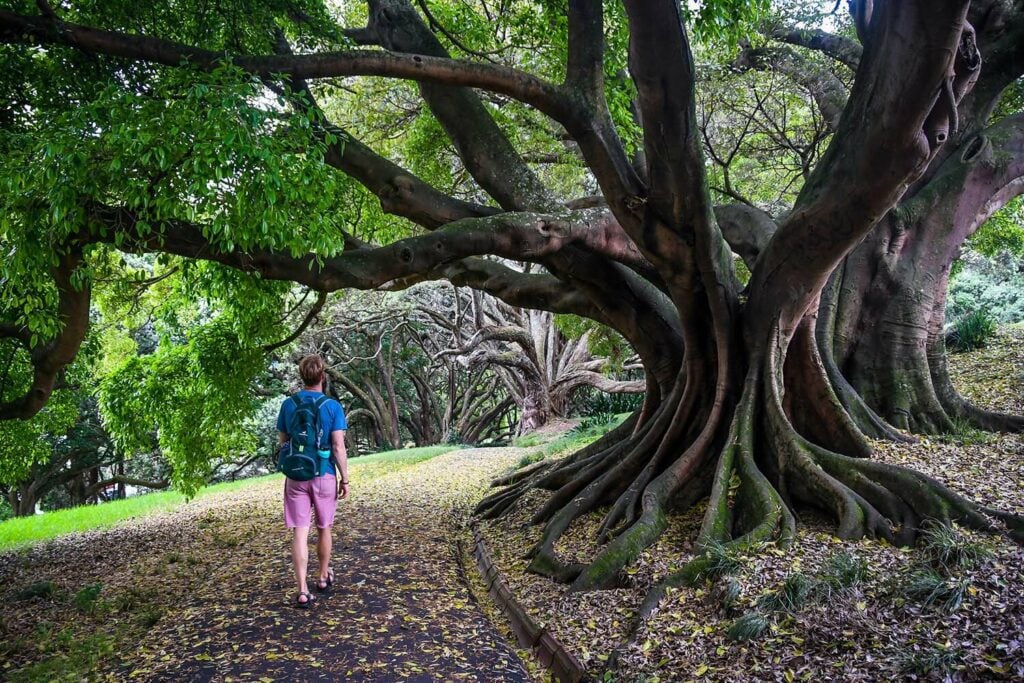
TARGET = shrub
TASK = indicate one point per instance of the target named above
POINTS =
(994, 283)
(591, 401)
(947, 549)
(86, 600)
(791, 596)
(932, 589)
(971, 331)
(748, 627)
(593, 423)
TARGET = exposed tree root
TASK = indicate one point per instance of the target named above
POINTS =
(866, 497)
(768, 465)
(956, 405)
(551, 476)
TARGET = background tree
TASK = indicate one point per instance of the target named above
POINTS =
(760, 397)
(540, 366)
(382, 352)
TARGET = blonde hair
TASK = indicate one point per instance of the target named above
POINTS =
(311, 369)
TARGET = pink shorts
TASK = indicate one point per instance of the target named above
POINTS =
(300, 497)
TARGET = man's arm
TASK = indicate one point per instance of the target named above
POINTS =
(282, 438)
(340, 456)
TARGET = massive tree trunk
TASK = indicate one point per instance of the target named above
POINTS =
(754, 399)
(890, 305)
(22, 499)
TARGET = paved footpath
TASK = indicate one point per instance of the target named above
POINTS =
(399, 611)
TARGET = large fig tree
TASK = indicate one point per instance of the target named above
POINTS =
(760, 398)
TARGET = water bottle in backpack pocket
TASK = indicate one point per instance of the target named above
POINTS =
(300, 457)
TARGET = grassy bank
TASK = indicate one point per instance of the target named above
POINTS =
(28, 530)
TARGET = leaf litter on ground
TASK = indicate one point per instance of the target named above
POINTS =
(205, 592)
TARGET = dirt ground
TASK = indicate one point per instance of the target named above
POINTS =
(205, 593)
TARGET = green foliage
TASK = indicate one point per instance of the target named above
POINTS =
(527, 441)
(949, 550)
(529, 459)
(66, 655)
(40, 590)
(933, 660)
(791, 596)
(719, 559)
(750, 626)
(592, 401)
(971, 331)
(725, 21)
(24, 443)
(994, 284)
(728, 592)
(601, 339)
(842, 571)
(87, 599)
(1002, 232)
(190, 399)
(962, 431)
(582, 434)
(932, 589)
(593, 423)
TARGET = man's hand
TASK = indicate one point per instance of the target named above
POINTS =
(342, 490)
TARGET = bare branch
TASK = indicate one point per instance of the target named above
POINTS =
(839, 48)
(314, 311)
(829, 92)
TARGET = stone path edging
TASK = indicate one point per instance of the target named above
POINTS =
(547, 649)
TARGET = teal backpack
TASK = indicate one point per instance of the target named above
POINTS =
(300, 457)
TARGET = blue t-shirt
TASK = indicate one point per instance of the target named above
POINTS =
(332, 419)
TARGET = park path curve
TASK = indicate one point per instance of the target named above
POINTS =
(400, 610)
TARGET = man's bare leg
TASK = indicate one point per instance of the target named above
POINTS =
(323, 553)
(300, 558)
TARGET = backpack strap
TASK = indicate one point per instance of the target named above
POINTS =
(296, 400)
(317, 404)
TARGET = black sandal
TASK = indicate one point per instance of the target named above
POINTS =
(324, 585)
(310, 599)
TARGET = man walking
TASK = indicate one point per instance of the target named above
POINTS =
(321, 493)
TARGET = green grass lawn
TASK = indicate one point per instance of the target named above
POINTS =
(28, 530)
(588, 431)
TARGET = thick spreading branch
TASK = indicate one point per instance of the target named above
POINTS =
(41, 30)
(508, 235)
(867, 167)
(839, 48)
(49, 358)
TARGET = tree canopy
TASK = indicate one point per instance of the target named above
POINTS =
(582, 158)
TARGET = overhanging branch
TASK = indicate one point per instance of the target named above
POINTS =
(49, 358)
